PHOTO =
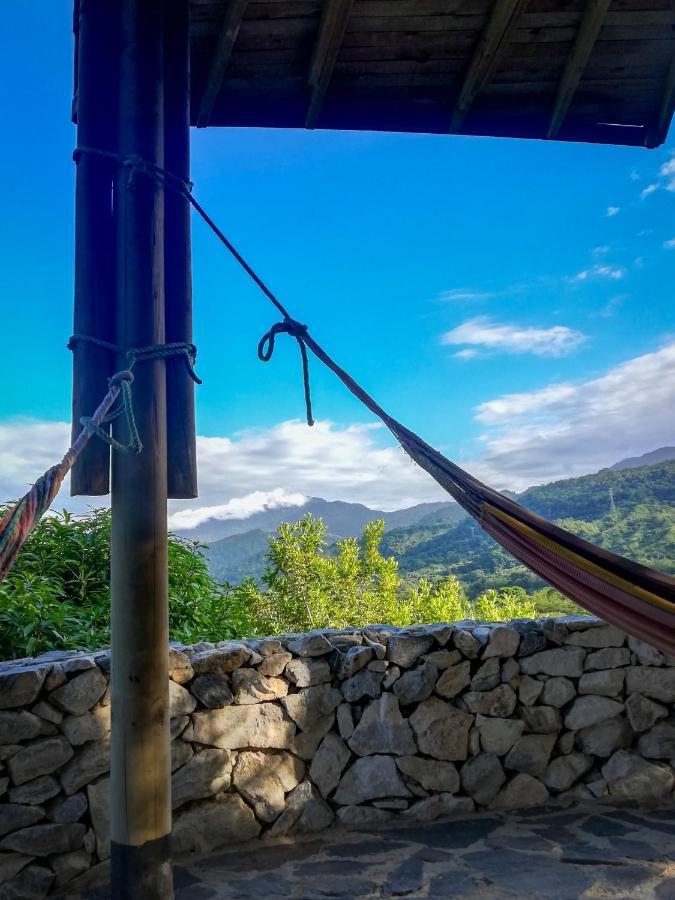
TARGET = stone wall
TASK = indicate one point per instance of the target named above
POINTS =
(358, 727)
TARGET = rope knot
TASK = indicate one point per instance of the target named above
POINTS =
(119, 377)
(300, 333)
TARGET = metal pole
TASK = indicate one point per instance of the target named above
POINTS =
(140, 753)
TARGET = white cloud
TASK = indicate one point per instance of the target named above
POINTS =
(667, 173)
(467, 353)
(645, 192)
(28, 448)
(613, 273)
(669, 244)
(569, 429)
(613, 211)
(464, 295)
(236, 508)
(483, 333)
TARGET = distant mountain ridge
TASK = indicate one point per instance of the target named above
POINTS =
(663, 454)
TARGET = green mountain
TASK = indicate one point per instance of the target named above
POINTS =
(630, 511)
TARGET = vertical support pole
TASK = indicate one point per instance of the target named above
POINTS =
(181, 452)
(140, 753)
(97, 23)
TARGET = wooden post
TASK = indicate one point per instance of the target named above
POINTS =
(96, 88)
(180, 388)
(140, 753)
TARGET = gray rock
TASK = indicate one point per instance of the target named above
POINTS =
(212, 690)
(41, 840)
(305, 812)
(605, 683)
(92, 726)
(643, 713)
(604, 636)
(393, 673)
(35, 792)
(565, 743)
(14, 817)
(249, 686)
(382, 729)
(311, 644)
(529, 690)
(47, 712)
(522, 791)
(178, 726)
(503, 642)
(530, 643)
(488, 676)
(265, 779)
(563, 661)
(541, 719)
(379, 665)
(454, 680)
(531, 753)
(370, 778)
(359, 817)
(498, 735)
(611, 658)
(32, 883)
(558, 691)
(441, 730)
(646, 654)
(310, 704)
(417, 684)
(629, 777)
(564, 771)
(11, 864)
(499, 702)
(345, 721)
(181, 701)
(273, 665)
(181, 752)
(657, 743)
(55, 678)
(180, 669)
(589, 710)
(364, 684)
(99, 810)
(78, 695)
(329, 763)
(93, 760)
(207, 773)
(219, 822)
(262, 725)
(223, 660)
(20, 687)
(659, 684)
(18, 726)
(466, 643)
(510, 673)
(482, 777)
(67, 866)
(39, 758)
(605, 738)
(430, 774)
(306, 743)
(307, 672)
(443, 659)
(440, 806)
(404, 649)
(351, 662)
(67, 811)
(268, 647)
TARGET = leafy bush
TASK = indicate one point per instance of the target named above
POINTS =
(57, 595)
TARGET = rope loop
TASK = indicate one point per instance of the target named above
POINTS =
(299, 332)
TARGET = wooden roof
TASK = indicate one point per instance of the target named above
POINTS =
(584, 70)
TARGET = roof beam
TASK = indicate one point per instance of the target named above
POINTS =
(332, 29)
(659, 132)
(589, 29)
(221, 58)
(490, 48)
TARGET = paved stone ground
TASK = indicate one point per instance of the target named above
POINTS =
(598, 853)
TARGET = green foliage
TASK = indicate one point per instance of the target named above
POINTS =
(57, 594)
(304, 587)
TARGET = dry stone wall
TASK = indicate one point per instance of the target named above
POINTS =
(293, 734)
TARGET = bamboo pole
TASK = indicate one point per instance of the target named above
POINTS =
(96, 86)
(140, 752)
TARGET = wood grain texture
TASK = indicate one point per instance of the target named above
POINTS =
(332, 28)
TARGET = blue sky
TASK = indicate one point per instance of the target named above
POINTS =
(511, 301)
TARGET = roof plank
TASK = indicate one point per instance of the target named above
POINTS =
(332, 29)
(589, 29)
(229, 30)
(491, 45)
(659, 132)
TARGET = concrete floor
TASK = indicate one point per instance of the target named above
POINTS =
(583, 853)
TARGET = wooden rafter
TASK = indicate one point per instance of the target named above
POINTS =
(491, 46)
(332, 29)
(659, 132)
(221, 57)
(589, 29)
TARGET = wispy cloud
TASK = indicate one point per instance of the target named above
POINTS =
(465, 295)
(664, 181)
(645, 192)
(568, 429)
(236, 508)
(598, 271)
(484, 334)
(613, 211)
(669, 244)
